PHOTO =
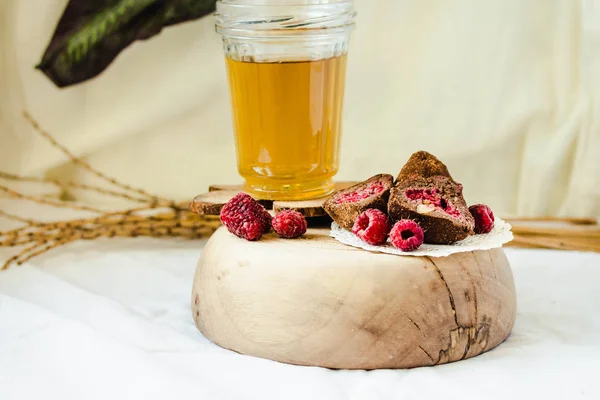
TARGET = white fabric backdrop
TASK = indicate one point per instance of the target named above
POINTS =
(112, 320)
(505, 91)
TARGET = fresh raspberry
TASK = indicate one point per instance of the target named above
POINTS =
(289, 224)
(484, 218)
(406, 235)
(245, 218)
(372, 226)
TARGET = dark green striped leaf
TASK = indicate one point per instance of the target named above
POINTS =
(91, 34)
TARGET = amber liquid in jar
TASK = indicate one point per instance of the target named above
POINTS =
(287, 120)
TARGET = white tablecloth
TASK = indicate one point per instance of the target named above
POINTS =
(111, 320)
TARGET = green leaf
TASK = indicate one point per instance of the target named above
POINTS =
(89, 37)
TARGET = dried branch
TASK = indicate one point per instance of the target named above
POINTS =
(123, 228)
(72, 185)
(156, 217)
(81, 163)
(53, 203)
(43, 248)
(72, 224)
(16, 257)
(17, 218)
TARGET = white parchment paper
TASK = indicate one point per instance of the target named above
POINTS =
(500, 235)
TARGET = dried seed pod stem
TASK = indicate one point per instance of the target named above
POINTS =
(43, 200)
(40, 249)
(79, 162)
(73, 185)
(157, 217)
(16, 257)
(17, 218)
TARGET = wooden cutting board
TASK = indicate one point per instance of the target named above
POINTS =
(212, 202)
(314, 301)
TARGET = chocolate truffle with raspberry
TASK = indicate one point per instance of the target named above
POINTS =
(422, 164)
(425, 193)
(346, 205)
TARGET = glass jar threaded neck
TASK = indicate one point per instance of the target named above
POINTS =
(284, 18)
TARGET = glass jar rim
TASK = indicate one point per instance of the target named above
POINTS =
(250, 18)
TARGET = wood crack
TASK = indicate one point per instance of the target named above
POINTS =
(467, 345)
(496, 295)
(470, 334)
(414, 323)
(467, 334)
(426, 353)
(450, 296)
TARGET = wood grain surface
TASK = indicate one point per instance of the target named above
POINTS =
(314, 301)
(212, 202)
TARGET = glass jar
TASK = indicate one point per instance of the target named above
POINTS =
(286, 63)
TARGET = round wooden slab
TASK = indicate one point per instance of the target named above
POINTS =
(212, 202)
(314, 301)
